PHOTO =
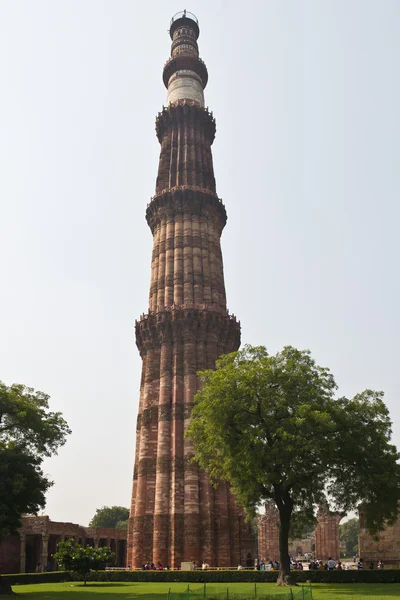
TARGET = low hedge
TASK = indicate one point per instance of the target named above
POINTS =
(373, 576)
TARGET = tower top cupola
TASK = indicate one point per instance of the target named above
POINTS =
(184, 18)
(185, 74)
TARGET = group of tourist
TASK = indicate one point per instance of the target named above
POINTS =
(360, 565)
(262, 565)
(330, 565)
(272, 565)
(46, 569)
(152, 567)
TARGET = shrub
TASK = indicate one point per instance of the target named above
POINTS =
(374, 576)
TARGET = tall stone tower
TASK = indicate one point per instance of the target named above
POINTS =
(176, 515)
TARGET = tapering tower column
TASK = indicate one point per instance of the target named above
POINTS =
(176, 515)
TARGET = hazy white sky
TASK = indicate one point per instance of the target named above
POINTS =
(306, 95)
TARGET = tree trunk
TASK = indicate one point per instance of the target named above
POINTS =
(284, 559)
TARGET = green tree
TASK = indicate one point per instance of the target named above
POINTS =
(110, 516)
(73, 557)
(348, 533)
(27, 424)
(23, 487)
(28, 433)
(271, 426)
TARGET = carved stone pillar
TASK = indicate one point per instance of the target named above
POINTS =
(22, 563)
(268, 534)
(44, 559)
(327, 533)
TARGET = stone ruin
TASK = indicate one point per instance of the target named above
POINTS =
(36, 541)
(323, 543)
(385, 546)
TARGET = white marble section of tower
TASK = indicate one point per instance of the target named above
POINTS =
(186, 79)
(185, 84)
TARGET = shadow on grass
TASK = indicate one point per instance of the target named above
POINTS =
(357, 590)
(75, 590)
(93, 584)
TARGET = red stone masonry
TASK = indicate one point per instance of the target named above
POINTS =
(327, 533)
(176, 515)
(268, 534)
(384, 546)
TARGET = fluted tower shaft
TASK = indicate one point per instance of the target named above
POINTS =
(176, 515)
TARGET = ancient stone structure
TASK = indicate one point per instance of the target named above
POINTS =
(327, 533)
(36, 541)
(384, 546)
(324, 543)
(176, 515)
(302, 546)
(268, 534)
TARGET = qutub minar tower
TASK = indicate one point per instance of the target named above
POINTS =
(176, 515)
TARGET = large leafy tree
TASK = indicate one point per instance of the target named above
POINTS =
(272, 427)
(348, 533)
(75, 558)
(23, 487)
(29, 431)
(111, 516)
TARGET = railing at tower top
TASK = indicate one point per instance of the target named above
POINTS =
(184, 14)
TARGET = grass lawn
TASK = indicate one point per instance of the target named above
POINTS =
(158, 591)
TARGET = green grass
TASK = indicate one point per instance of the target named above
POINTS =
(158, 591)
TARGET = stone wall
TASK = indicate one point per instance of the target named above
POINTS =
(301, 546)
(10, 554)
(384, 546)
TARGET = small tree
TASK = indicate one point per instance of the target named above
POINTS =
(110, 516)
(73, 557)
(271, 426)
(348, 533)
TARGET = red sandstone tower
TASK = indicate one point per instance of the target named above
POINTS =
(176, 515)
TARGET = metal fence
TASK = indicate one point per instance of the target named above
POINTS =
(249, 591)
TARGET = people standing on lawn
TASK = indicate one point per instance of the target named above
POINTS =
(331, 564)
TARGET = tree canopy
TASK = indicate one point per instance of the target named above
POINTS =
(111, 516)
(28, 433)
(348, 533)
(27, 423)
(272, 427)
(73, 557)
